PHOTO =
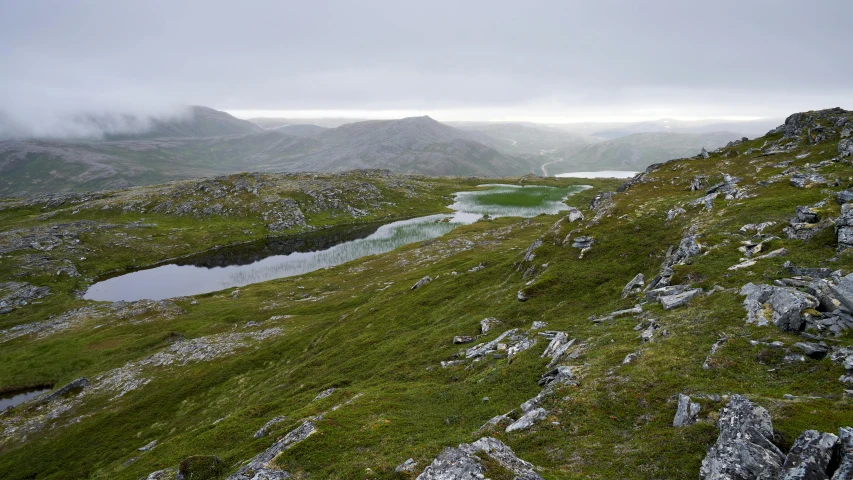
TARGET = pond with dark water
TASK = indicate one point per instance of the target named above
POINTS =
(14, 398)
(298, 254)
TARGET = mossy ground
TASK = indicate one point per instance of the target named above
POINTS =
(358, 327)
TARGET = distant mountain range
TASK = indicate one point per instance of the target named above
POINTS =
(205, 142)
(635, 152)
(185, 148)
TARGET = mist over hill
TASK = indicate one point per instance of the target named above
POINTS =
(213, 143)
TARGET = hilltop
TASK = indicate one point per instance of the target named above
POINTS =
(696, 320)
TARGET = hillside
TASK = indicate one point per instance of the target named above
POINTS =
(635, 152)
(414, 145)
(198, 122)
(696, 321)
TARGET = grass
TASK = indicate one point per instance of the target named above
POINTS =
(358, 327)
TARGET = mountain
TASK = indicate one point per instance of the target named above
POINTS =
(615, 130)
(413, 145)
(301, 130)
(272, 123)
(520, 139)
(695, 322)
(635, 152)
(197, 122)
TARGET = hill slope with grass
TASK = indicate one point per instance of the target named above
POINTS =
(658, 330)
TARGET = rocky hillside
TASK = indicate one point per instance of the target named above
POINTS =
(696, 321)
(198, 122)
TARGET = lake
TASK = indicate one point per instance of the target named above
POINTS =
(298, 254)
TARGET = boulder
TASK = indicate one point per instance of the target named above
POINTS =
(408, 466)
(574, 215)
(744, 448)
(422, 282)
(674, 301)
(656, 293)
(557, 376)
(465, 463)
(674, 212)
(583, 242)
(788, 305)
(807, 180)
(486, 324)
(462, 339)
(816, 351)
(807, 215)
(634, 286)
(259, 468)
(686, 413)
(810, 457)
(528, 419)
(844, 196)
(845, 450)
(844, 291)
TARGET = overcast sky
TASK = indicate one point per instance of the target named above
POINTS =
(546, 60)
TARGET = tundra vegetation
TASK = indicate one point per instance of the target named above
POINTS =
(603, 342)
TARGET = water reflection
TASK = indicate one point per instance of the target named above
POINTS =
(305, 253)
(12, 399)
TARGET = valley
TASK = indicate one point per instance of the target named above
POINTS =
(629, 330)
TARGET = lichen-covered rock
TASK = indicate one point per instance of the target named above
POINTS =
(744, 449)
(810, 457)
(674, 301)
(464, 463)
(845, 450)
(635, 285)
(17, 294)
(686, 413)
(784, 305)
(528, 419)
(260, 467)
(421, 282)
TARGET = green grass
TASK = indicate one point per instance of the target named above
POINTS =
(358, 327)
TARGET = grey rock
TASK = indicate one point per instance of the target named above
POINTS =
(583, 242)
(325, 393)
(844, 196)
(464, 463)
(17, 294)
(807, 215)
(674, 212)
(149, 446)
(422, 282)
(656, 293)
(807, 180)
(408, 466)
(259, 467)
(844, 291)
(574, 215)
(494, 423)
(462, 339)
(809, 458)
(538, 325)
(845, 447)
(73, 386)
(674, 301)
(630, 358)
(634, 286)
(816, 351)
(557, 376)
(486, 324)
(521, 296)
(686, 413)
(488, 347)
(264, 431)
(527, 420)
(744, 449)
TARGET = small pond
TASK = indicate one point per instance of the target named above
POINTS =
(298, 254)
(21, 396)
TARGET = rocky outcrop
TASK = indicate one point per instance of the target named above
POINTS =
(744, 449)
(528, 419)
(674, 301)
(17, 294)
(634, 286)
(261, 468)
(810, 457)
(687, 411)
(421, 282)
(465, 463)
(845, 450)
(844, 227)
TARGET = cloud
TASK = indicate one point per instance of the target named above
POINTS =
(538, 59)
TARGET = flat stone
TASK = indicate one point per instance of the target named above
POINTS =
(674, 301)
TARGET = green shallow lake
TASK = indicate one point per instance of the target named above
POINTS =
(299, 254)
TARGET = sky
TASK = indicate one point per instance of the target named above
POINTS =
(549, 61)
